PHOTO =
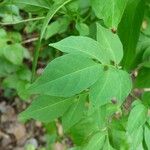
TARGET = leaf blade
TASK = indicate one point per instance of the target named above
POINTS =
(65, 76)
(46, 108)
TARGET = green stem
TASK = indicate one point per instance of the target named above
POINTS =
(54, 9)
(35, 60)
(22, 21)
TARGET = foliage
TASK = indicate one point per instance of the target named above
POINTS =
(103, 55)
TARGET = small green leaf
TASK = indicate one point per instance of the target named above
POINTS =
(82, 28)
(6, 67)
(113, 84)
(111, 43)
(14, 53)
(66, 76)
(46, 108)
(137, 118)
(57, 27)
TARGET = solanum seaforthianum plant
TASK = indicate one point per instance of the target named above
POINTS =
(86, 88)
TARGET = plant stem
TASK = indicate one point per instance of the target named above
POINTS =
(35, 59)
(22, 21)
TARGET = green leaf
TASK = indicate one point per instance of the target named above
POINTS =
(119, 139)
(14, 53)
(137, 118)
(143, 78)
(53, 10)
(135, 139)
(147, 136)
(6, 67)
(82, 28)
(46, 108)
(74, 113)
(84, 129)
(111, 43)
(96, 142)
(57, 27)
(110, 11)
(129, 30)
(83, 46)
(66, 76)
(113, 84)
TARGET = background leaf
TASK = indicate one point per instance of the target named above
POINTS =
(51, 13)
(143, 78)
(110, 11)
(129, 30)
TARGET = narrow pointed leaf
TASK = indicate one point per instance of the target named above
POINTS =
(82, 45)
